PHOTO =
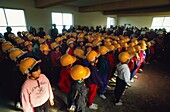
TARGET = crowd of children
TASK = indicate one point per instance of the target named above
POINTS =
(79, 62)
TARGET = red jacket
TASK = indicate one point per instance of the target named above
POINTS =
(152, 50)
(55, 59)
(131, 64)
(48, 42)
(70, 51)
(112, 59)
(65, 80)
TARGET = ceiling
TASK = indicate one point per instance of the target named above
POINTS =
(110, 7)
(82, 3)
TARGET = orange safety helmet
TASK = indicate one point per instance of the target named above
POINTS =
(78, 72)
(124, 56)
(44, 47)
(67, 59)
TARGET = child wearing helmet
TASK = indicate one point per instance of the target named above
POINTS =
(123, 76)
(45, 58)
(77, 98)
(29, 48)
(94, 80)
(70, 49)
(103, 66)
(55, 58)
(36, 93)
(65, 78)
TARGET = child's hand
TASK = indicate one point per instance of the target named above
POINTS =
(52, 102)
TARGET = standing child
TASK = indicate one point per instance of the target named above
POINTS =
(123, 76)
(94, 80)
(55, 58)
(103, 66)
(65, 78)
(70, 49)
(77, 96)
(36, 93)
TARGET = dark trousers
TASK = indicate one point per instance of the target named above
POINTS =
(119, 89)
(43, 108)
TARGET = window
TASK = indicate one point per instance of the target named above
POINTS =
(14, 18)
(61, 19)
(110, 21)
(161, 22)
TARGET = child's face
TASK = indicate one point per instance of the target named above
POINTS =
(89, 49)
(36, 74)
(29, 47)
(81, 43)
(57, 49)
(71, 45)
(45, 52)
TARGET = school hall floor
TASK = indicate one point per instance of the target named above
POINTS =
(149, 93)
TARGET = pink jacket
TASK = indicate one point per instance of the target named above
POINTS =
(34, 93)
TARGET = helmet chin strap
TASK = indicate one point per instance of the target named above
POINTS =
(32, 77)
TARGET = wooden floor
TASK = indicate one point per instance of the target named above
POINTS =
(149, 93)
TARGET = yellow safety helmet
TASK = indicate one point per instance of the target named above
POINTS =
(47, 37)
(27, 64)
(88, 45)
(78, 72)
(7, 47)
(114, 42)
(27, 43)
(142, 42)
(131, 50)
(124, 56)
(103, 50)
(125, 45)
(15, 53)
(135, 41)
(117, 46)
(145, 39)
(80, 40)
(58, 39)
(92, 55)
(148, 44)
(20, 41)
(80, 35)
(143, 46)
(5, 43)
(79, 53)
(137, 47)
(11, 36)
(111, 47)
(96, 42)
(16, 38)
(64, 37)
(107, 43)
(44, 47)
(67, 59)
(74, 34)
(36, 38)
(54, 45)
(30, 37)
(70, 41)
(131, 44)
(2, 40)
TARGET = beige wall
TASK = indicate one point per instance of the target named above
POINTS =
(139, 21)
(94, 19)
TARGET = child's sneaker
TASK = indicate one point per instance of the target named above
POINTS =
(119, 103)
(103, 97)
(18, 105)
(93, 106)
